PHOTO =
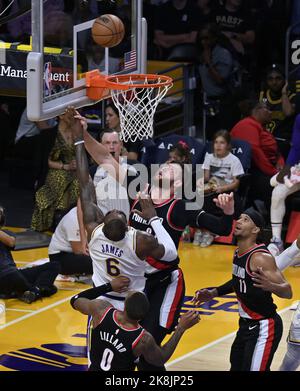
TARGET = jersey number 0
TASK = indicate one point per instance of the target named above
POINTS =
(107, 357)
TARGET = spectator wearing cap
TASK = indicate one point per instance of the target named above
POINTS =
(280, 101)
(266, 157)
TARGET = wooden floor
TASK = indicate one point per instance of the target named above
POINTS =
(50, 335)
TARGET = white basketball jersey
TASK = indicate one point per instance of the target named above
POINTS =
(112, 259)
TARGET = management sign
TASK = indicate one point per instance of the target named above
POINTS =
(13, 72)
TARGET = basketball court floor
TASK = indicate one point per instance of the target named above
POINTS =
(49, 335)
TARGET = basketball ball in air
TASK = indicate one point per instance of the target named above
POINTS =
(108, 30)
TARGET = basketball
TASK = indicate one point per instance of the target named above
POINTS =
(108, 30)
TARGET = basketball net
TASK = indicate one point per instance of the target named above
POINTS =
(136, 97)
(137, 104)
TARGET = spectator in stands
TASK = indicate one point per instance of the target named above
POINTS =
(176, 24)
(66, 247)
(96, 59)
(110, 194)
(281, 103)
(28, 284)
(221, 175)
(58, 31)
(61, 189)
(180, 153)
(216, 72)
(266, 158)
(20, 28)
(234, 20)
(112, 119)
(82, 12)
(32, 144)
(283, 189)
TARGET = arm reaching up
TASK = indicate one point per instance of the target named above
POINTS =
(92, 215)
(100, 154)
(156, 355)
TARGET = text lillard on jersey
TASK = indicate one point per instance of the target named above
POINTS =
(111, 339)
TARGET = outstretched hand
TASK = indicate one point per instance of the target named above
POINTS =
(148, 211)
(225, 202)
(75, 123)
(203, 295)
(120, 284)
(189, 319)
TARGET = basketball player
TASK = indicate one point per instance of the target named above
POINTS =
(117, 338)
(165, 286)
(255, 277)
(114, 247)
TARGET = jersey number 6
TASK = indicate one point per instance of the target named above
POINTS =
(111, 267)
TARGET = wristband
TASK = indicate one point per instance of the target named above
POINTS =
(164, 239)
(108, 287)
(92, 293)
(153, 219)
(79, 142)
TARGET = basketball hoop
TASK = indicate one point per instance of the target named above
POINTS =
(136, 96)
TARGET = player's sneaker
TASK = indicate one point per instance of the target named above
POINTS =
(29, 297)
(197, 238)
(207, 239)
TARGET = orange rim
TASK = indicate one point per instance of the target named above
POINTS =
(98, 84)
(119, 81)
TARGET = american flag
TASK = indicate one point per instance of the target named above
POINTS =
(130, 59)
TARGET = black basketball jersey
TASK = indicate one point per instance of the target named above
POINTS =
(163, 211)
(111, 344)
(280, 125)
(253, 303)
